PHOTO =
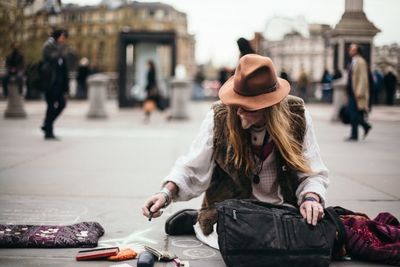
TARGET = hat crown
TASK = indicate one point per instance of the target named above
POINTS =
(255, 75)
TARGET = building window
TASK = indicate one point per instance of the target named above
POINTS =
(102, 17)
(159, 14)
(100, 54)
(144, 13)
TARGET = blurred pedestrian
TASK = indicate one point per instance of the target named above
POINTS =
(302, 85)
(371, 89)
(245, 47)
(198, 90)
(337, 74)
(378, 83)
(55, 75)
(390, 82)
(223, 75)
(81, 78)
(14, 69)
(357, 92)
(326, 86)
(152, 90)
(284, 75)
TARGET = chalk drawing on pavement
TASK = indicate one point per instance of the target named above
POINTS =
(199, 253)
(186, 243)
(135, 240)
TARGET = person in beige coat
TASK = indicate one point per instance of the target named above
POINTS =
(357, 92)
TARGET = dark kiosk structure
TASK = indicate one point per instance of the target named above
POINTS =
(134, 38)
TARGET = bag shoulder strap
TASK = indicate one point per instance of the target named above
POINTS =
(341, 238)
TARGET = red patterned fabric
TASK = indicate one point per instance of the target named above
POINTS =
(375, 240)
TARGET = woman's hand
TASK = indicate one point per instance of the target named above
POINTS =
(312, 210)
(153, 205)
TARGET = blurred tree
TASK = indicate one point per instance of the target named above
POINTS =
(11, 23)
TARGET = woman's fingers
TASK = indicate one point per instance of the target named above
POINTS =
(153, 205)
(315, 213)
(311, 211)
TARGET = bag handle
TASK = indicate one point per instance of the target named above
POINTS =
(341, 239)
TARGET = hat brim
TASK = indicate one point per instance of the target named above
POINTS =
(228, 96)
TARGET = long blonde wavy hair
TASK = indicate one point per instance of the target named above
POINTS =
(280, 123)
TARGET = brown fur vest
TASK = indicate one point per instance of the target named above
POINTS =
(227, 182)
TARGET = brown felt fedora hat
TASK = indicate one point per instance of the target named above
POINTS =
(254, 85)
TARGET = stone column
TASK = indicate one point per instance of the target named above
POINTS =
(353, 27)
(353, 5)
(15, 104)
(97, 95)
(180, 96)
(339, 96)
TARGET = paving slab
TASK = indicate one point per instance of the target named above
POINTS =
(103, 170)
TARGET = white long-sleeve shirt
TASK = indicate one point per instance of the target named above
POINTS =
(192, 172)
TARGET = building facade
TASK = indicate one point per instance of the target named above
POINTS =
(301, 51)
(94, 30)
(387, 57)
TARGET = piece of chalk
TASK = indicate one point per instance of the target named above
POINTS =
(146, 259)
(150, 215)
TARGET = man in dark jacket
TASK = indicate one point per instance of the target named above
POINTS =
(55, 75)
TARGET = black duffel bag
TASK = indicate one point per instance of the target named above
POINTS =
(344, 114)
(253, 233)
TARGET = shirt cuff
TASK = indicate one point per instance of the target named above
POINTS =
(183, 189)
(312, 187)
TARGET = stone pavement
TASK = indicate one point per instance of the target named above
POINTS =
(103, 170)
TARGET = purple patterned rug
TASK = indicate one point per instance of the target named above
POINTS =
(84, 234)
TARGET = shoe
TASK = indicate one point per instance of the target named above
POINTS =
(51, 137)
(366, 131)
(181, 222)
(350, 139)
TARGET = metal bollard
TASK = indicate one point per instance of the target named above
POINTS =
(15, 104)
(97, 95)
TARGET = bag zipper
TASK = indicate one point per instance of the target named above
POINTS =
(234, 215)
(266, 252)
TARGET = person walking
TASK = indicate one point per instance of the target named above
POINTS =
(378, 82)
(198, 90)
(326, 87)
(357, 92)
(15, 68)
(390, 82)
(55, 77)
(81, 78)
(151, 88)
(302, 84)
(284, 75)
(257, 142)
